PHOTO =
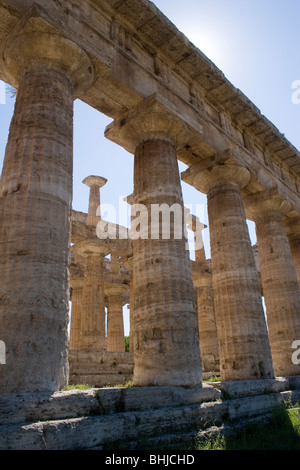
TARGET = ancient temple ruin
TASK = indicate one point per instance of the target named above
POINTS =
(167, 102)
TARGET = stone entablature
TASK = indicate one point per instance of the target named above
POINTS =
(137, 37)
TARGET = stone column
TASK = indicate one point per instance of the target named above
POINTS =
(207, 327)
(242, 333)
(166, 349)
(76, 298)
(92, 330)
(292, 226)
(202, 279)
(35, 207)
(92, 327)
(115, 323)
(94, 212)
(279, 279)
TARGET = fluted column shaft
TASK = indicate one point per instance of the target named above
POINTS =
(281, 291)
(163, 300)
(36, 194)
(94, 211)
(166, 345)
(292, 226)
(76, 318)
(207, 328)
(92, 330)
(243, 339)
(35, 205)
(115, 323)
(295, 250)
(94, 203)
(242, 332)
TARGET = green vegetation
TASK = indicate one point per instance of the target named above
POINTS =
(79, 387)
(126, 384)
(88, 387)
(126, 343)
(281, 433)
(213, 379)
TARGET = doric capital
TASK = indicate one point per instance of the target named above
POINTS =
(92, 247)
(266, 203)
(221, 169)
(115, 292)
(292, 225)
(97, 181)
(34, 42)
(152, 119)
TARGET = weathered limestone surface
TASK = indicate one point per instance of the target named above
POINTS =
(166, 348)
(35, 205)
(292, 226)
(115, 323)
(100, 368)
(207, 328)
(50, 52)
(138, 418)
(75, 324)
(242, 332)
(96, 283)
(279, 280)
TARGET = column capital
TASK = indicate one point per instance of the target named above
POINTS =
(91, 247)
(117, 290)
(221, 169)
(33, 42)
(292, 225)
(154, 118)
(266, 203)
(94, 211)
(97, 181)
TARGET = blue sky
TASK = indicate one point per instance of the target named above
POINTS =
(255, 43)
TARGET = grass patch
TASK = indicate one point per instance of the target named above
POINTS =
(282, 433)
(88, 387)
(79, 387)
(213, 379)
(126, 385)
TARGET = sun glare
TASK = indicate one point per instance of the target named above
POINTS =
(206, 44)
